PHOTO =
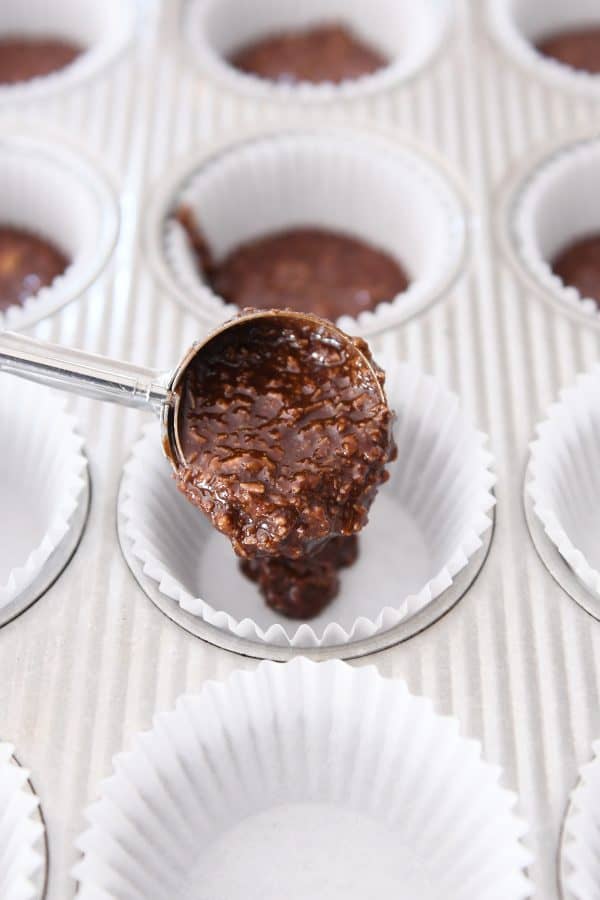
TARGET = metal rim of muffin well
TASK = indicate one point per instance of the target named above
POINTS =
(95, 60)
(74, 162)
(214, 310)
(33, 882)
(48, 554)
(571, 864)
(539, 278)
(565, 562)
(205, 60)
(521, 51)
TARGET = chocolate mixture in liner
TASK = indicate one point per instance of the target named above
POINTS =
(23, 58)
(27, 264)
(305, 269)
(285, 435)
(323, 53)
(578, 266)
(576, 47)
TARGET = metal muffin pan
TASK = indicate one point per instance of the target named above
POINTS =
(516, 660)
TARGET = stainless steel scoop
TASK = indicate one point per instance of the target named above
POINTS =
(102, 378)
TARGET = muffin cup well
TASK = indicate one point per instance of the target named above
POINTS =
(406, 34)
(517, 25)
(22, 846)
(579, 868)
(373, 188)
(35, 177)
(551, 204)
(103, 29)
(43, 491)
(343, 780)
(425, 525)
(565, 481)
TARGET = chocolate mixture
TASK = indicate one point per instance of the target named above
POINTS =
(577, 47)
(27, 264)
(285, 435)
(305, 269)
(23, 58)
(302, 588)
(578, 265)
(327, 52)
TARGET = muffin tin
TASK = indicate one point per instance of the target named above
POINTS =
(515, 661)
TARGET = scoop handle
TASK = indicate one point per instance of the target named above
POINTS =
(83, 373)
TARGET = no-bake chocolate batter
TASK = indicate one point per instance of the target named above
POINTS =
(328, 52)
(285, 436)
(302, 588)
(578, 265)
(23, 58)
(577, 47)
(27, 264)
(305, 269)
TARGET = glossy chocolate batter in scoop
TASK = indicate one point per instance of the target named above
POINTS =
(285, 435)
(575, 47)
(23, 58)
(328, 52)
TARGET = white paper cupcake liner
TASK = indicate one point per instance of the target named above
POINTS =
(36, 175)
(555, 204)
(565, 484)
(425, 525)
(103, 29)
(381, 191)
(519, 24)
(22, 849)
(407, 34)
(580, 860)
(303, 780)
(42, 480)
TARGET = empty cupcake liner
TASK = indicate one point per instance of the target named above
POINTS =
(103, 29)
(518, 25)
(302, 780)
(22, 847)
(565, 484)
(43, 484)
(406, 34)
(425, 525)
(384, 192)
(35, 177)
(579, 861)
(556, 202)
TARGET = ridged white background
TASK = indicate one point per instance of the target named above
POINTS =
(517, 661)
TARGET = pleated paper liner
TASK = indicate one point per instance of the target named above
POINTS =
(407, 35)
(102, 30)
(375, 188)
(23, 855)
(303, 780)
(579, 865)
(427, 525)
(563, 486)
(37, 172)
(549, 203)
(44, 492)
(518, 25)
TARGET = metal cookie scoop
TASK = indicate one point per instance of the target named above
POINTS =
(118, 382)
